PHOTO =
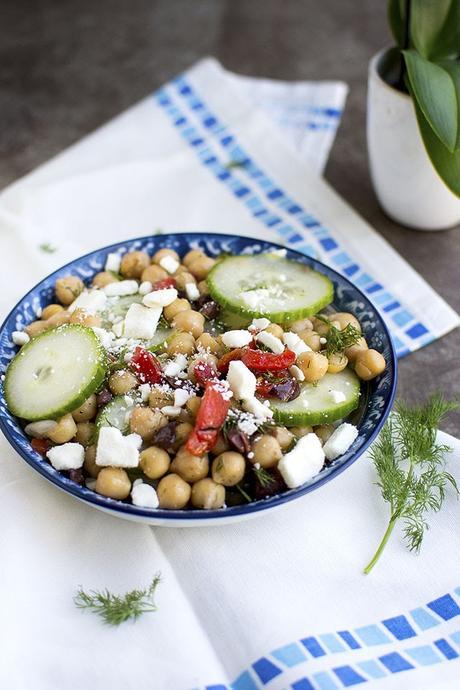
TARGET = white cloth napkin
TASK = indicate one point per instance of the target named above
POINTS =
(276, 602)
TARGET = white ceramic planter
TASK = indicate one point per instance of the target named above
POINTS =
(407, 186)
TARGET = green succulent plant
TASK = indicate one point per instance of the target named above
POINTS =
(426, 63)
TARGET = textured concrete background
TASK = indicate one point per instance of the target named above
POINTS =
(67, 67)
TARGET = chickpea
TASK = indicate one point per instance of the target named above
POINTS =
(192, 255)
(65, 429)
(183, 431)
(35, 328)
(206, 342)
(354, 350)
(163, 253)
(58, 319)
(181, 343)
(300, 325)
(189, 321)
(337, 362)
(221, 444)
(275, 330)
(193, 405)
(183, 278)
(369, 364)
(228, 468)
(203, 287)
(181, 269)
(324, 432)
(51, 310)
(103, 278)
(313, 364)
(121, 382)
(173, 493)
(283, 436)
(87, 410)
(267, 451)
(208, 495)
(159, 398)
(84, 318)
(153, 274)
(85, 433)
(190, 467)
(154, 462)
(300, 431)
(67, 289)
(311, 338)
(90, 462)
(113, 482)
(146, 422)
(133, 264)
(171, 311)
(200, 267)
(184, 417)
(322, 327)
(344, 319)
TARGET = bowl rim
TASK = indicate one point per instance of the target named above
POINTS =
(129, 510)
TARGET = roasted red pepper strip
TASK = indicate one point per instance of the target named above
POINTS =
(40, 445)
(146, 367)
(225, 360)
(210, 418)
(257, 360)
(164, 283)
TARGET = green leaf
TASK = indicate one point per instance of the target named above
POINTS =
(427, 21)
(397, 18)
(452, 67)
(435, 27)
(434, 91)
(446, 164)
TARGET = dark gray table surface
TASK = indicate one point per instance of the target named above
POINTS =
(67, 67)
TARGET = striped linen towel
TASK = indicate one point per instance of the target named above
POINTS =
(277, 603)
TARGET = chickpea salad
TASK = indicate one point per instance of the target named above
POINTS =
(191, 383)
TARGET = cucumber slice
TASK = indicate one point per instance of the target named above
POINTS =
(118, 307)
(160, 339)
(55, 373)
(315, 404)
(116, 413)
(269, 285)
(231, 321)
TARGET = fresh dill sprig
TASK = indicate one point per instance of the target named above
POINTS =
(338, 341)
(115, 609)
(243, 493)
(264, 478)
(47, 248)
(410, 464)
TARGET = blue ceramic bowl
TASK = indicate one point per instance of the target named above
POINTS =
(375, 405)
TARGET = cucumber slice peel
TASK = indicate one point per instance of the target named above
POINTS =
(282, 290)
(315, 404)
(55, 373)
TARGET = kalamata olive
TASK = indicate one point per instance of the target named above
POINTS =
(268, 488)
(210, 309)
(239, 440)
(286, 390)
(166, 436)
(77, 476)
(104, 397)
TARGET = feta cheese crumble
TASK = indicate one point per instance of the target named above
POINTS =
(113, 262)
(241, 380)
(20, 337)
(340, 441)
(144, 495)
(303, 462)
(337, 396)
(192, 292)
(91, 301)
(145, 287)
(295, 343)
(160, 298)
(254, 298)
(297, 373)
(116, 450)
(181, 396)
(121, 288)
(257, 408)
(171, 410)
(175, 366)
(69, 456)
(141, 322)
(259, 324)
(271, 341)
(169, 263)
(236, 338)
